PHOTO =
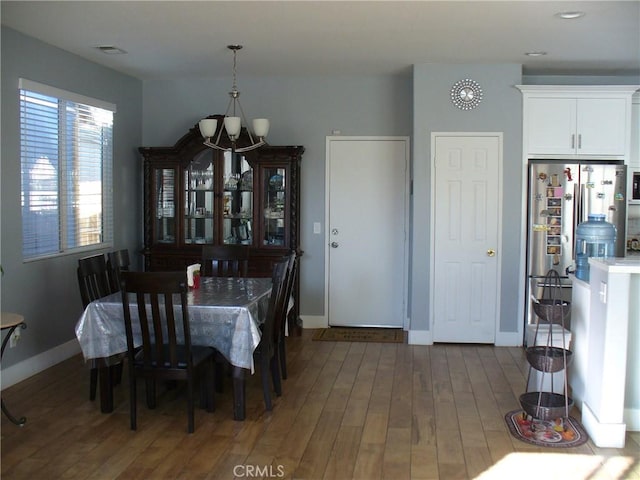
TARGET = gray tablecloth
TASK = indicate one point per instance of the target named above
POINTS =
(224, 313)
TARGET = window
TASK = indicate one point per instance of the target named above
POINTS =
(66, 155)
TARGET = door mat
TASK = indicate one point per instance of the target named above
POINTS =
(360, 334)
(558, 433)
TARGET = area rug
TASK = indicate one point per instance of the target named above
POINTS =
(558, 433)
(360, 334)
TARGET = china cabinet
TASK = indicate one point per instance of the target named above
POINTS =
(195, 195)
(577, 120)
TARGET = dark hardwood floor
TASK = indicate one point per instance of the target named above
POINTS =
(349, 410)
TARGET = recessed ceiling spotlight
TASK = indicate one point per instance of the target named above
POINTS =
(535, 54)
(110, 49)
(570, 15)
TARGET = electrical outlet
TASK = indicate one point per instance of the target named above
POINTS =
(15, 338)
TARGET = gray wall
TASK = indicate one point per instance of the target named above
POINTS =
(46, 291)
(499, 111)
(303, 111)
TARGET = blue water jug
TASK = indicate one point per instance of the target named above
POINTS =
(594, 238)
(582, 267)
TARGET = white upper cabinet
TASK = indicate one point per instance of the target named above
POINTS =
(575, 121)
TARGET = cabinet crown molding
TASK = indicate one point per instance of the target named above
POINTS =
(578, 89)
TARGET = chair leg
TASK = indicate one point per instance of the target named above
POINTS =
(266, 385)
(117, 374)
(93, 383)
(275, 375)
(283, 359)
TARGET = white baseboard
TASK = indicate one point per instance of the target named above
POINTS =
(420, 337)
(604, 435)
(631, 416)
(36, 364)
(314, 321)
(508, 339)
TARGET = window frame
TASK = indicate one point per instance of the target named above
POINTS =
(64, 182)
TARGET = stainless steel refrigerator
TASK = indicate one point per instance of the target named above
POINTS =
(561, 194)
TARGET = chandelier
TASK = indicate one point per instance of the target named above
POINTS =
(233, 123)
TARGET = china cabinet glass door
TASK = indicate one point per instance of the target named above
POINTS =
(165, 195)
(199, 188)
(237, 200)
(274, 206)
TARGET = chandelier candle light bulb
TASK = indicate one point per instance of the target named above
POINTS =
(261, 127)
(208, 127)
(232, 125)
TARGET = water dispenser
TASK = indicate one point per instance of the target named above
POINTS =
(594, 238)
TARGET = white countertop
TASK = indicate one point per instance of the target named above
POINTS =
(617, 264)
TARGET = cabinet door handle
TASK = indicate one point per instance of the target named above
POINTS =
(579, 140)
(573, 140)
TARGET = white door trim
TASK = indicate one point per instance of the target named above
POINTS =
(432, 253)
(327, 241)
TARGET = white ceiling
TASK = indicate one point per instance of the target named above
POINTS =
(298, 38)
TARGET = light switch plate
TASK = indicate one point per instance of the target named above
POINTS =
(317, 228)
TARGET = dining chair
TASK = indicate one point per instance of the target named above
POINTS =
(166, 352)
(93, 281)
(265, 353)
(225, 261)
(284, 313)
(117, 261)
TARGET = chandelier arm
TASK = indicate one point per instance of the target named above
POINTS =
(231, 149)
(250, 147)
(217, 142)
(244, 119)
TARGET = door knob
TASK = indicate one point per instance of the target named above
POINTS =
(334, 244)
(491, 252)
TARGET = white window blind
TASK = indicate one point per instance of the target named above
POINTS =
(66, 150)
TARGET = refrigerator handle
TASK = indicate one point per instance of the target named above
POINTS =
(581, 205)
(577, 212)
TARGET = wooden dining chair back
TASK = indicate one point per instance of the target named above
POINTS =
(93, 281)
(265, 354)
(117, 261)
(93, 278)
(283, 314)
(225, 261)
(155, 303)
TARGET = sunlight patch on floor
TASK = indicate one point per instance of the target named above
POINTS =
(562, 466)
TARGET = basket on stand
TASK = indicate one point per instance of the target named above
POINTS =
(547, 358)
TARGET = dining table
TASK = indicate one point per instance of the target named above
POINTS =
(224, 313)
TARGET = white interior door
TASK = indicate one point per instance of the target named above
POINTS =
(466, 222)
(367, 200)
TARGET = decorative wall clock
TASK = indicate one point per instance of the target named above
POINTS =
(466, 94)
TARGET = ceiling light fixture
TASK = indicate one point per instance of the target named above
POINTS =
(535, 54)
(110, 49)
(233, 123)
(570, 15)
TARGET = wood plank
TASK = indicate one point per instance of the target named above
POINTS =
(349, 410)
